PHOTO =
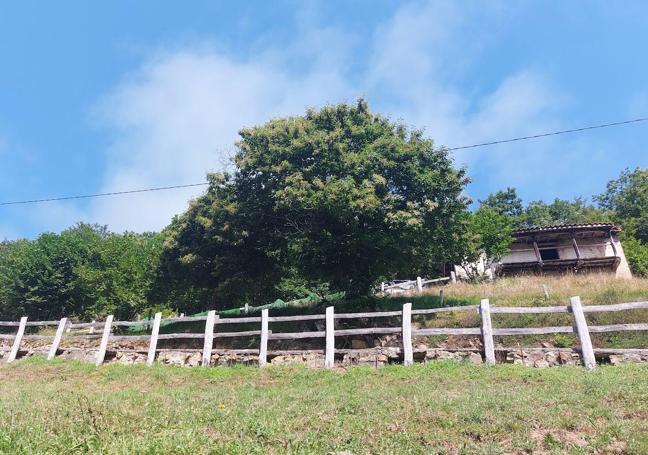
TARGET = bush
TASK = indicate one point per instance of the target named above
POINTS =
(637, 255)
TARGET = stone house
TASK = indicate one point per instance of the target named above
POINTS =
(566, 248)
(560, 249)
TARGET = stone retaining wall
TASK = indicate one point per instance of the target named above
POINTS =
(376, 357)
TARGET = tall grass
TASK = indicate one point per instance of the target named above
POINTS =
(597, 288)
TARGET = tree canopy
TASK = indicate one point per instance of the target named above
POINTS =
(338, 198)
(84, 271)
(487, 236)
(505, 202)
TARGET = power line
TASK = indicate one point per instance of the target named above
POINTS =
(189, 185)
(554, 133)
(114, 193)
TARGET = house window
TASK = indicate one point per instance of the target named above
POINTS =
(548, 254)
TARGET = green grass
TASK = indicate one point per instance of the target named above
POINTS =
(440, 407)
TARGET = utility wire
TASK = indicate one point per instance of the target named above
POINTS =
(554, 133)
(114, 193)
(189, 185)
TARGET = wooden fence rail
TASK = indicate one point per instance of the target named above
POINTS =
(409, 285)
(486, 331)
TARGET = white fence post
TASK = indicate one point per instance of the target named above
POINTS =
(150, 358)
(453, 277)
(57, 339)
(408, 354)
(419, 283)
(263, 348)
(16, 344)
(101, 354)
(330, 337)
(589, 361)
(487, 331)
(209, 337)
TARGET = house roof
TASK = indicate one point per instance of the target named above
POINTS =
(567, 228)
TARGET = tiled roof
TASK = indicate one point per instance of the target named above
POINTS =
(566, 227)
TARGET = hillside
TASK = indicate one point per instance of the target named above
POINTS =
(600, 289)
(441, 407)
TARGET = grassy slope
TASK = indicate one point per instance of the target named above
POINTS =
(442, 407)
(527, 291)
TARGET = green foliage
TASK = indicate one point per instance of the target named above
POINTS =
(540, 213)
(505, 202)
(636, 253)
(338, 198)
(563, 341)
(84, 272)
(561, 211)
(627, 196)
(488, 236)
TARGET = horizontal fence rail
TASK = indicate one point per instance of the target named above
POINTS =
(408, 285)
(104, 331)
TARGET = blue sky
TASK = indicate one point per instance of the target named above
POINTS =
(120, 95)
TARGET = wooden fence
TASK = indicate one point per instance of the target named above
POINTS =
(406, 330)
(398, 286)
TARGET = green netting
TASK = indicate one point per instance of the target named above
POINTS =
(309, 301)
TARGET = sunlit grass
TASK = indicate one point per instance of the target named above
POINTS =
(441, 407)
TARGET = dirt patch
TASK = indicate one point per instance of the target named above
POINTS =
(564, 439)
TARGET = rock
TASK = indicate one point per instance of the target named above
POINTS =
(475, 357)
(193, 359)
(172, 357)
(564, 358)
(314, 360)
(286, 359)
(310, 360)
(447, 355)
(541, 363)
(390, 340)
(616, 359)
(359, 344)
(372, 358)
(533, 357)
(128, 358)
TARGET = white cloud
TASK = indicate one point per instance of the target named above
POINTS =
(177, 117)
(418, 58)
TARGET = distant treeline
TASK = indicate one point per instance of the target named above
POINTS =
(335, 200)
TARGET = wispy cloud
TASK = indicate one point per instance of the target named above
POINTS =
(177, 116)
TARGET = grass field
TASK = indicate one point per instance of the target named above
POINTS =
(594, 289)
(441, 407)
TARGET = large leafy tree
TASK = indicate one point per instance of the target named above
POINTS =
(339, 197)
(83, 272)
